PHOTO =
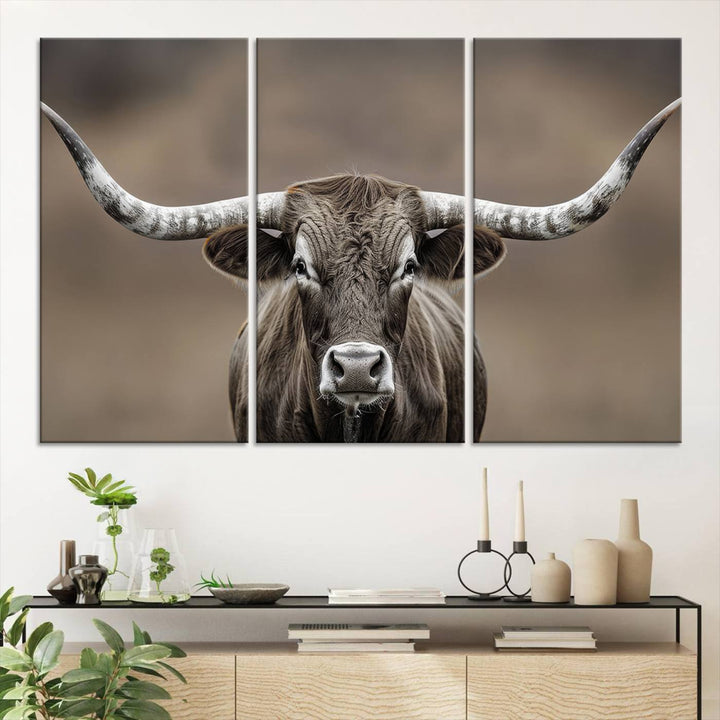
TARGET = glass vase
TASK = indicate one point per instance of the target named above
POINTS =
(159, 573)
(115, 548)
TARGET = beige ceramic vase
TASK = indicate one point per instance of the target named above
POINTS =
(595, 564)
(550, 580)
(634, 557)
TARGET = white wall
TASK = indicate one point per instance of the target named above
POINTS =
(319, 516)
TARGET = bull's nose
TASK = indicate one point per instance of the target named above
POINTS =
(357, 368)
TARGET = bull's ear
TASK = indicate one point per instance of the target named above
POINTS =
(489, 251)
(226, 251)
(442, 254)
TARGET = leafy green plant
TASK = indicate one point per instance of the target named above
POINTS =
(115, 496)
(106, 686)
(161, 558)
(213, 582)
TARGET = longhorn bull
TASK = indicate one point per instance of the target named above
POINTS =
(358, 338)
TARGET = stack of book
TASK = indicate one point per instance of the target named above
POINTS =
(341, 637)
(574, 639)
(387, 596)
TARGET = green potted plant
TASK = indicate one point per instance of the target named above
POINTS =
(111, 685)
(114, 545)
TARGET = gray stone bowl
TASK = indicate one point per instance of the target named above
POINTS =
(250, 593)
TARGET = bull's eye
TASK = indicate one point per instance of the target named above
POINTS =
(409, 269)
(300, 268)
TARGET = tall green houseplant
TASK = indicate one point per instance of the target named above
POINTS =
(110, 685)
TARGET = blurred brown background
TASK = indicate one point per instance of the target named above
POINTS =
(391, 107)
(137, 333)
(581, 335)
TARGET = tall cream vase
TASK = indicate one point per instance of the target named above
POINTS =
(634, 557)
(595, 564)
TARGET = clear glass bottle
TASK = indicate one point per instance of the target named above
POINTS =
(115, 547)
(159, 573)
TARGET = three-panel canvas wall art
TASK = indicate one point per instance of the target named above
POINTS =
(358, 334)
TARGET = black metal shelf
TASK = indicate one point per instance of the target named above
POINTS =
(297, 602)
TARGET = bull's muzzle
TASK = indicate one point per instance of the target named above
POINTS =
(357, 373)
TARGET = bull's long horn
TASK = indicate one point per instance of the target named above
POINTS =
(157, 221)
(552, 221)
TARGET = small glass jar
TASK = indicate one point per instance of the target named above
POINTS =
(115, 547)
(159, 573)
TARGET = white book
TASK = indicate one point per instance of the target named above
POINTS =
(346, 631)
(368, 592)
(503, 642)
(386, 600)
(541, 632)
(307, 647)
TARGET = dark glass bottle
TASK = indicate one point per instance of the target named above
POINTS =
(89, 577)
(62, 587)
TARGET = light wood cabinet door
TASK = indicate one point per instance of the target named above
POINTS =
(351, 687)
(209, 693)
(601, 686)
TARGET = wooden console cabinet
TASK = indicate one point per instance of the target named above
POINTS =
(638, 681)
(266, 681)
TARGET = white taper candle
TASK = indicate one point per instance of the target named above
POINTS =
(484, 513)
(520, 515)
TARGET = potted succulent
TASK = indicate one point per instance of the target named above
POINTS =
(114, 545)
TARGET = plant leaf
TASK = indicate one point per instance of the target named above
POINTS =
(36, 636)
(19, 692)
(21, 712)
(8, 681)
(18, 603)
(144, 690)
(81, 487)
(175, 651)
(149, 670)
(144, 654)
(81, 689)
(112, 638)
(92, 477)
(106, 663)
(81, 675)
(47, 652)
(143, 710)
(138, 637)
(78, 479)
(110, 489)
(15, 632)
(103, 482)
(173, 671)
(79, 708)
(5, 605)
(12, 659)
(88, 659)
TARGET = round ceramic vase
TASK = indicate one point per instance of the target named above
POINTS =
(550, 580)
(634, 557)
(595, 572)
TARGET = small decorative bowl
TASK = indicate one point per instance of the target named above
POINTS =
(250, 593)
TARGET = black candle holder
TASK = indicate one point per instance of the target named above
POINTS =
(485, 547)
(519, 548)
